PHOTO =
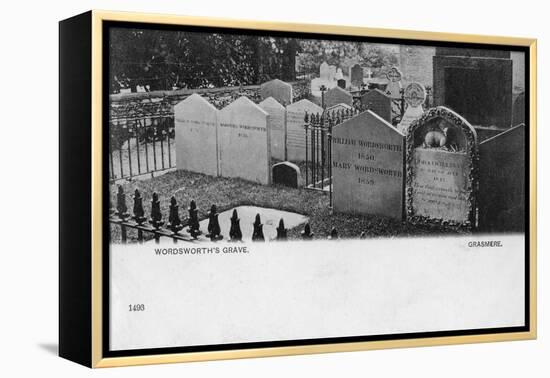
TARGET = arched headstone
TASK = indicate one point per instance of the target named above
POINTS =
(244, 143)
(442, 170)
(196, 125)
(276, 122)
(368, 166)
(379, 102)
(336, 96)
(278, 89)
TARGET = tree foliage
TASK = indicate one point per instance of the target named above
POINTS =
(166, 59)
(157, 59)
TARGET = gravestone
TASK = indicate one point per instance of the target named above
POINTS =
(331, 73)
(276, 125)
(518, 112)
(336, 96)
(414, 95)
(502, 194)
(356, 76)
(479, 86)
(287, 174)
(394, 82)
(317, 83)
(341, 83)
(278, 89)
(339, 74)
(379, 102)
(368, 166)
(295, 131)
(442, 165)
(324, 71)
(244, 142)
(196, 127)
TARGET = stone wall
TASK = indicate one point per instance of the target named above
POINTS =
(219, 97)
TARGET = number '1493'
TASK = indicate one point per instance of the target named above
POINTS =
(136, 307)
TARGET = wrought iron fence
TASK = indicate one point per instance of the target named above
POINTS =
(187, 229)
(141, 138)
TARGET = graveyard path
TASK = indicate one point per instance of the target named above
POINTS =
(227, 193)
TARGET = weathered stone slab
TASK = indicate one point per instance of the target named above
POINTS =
(296, 136)
(480, 89)
(336, 96)
(196, 125)
(276, 123)
(356, 76)
(278, 89)
(379, 102)
(244, 142)
(518, 112)
(287, 174)
(442, 169)
(502, 193)
(368, 167)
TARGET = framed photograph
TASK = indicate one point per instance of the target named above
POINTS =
(235, 189)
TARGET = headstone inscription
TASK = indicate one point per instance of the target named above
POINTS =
(356, 76)
(394, 82)
(501, 200)
(378, 102)
(196, 125)
(476, 83)
(287, 174)
(336, 96)
(442, 170)
(368, 166)
(414, 95)
(276, 123)
(278, 89)
(295, 131)
(244, 142)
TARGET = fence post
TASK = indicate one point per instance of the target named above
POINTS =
(122, 211)
(258, 233)
(156, 216)
(281, 230)
(174, 221)
(307, 234)
(235, 233)
(194, 227)
(139, 213)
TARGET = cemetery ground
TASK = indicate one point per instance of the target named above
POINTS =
(227, 193)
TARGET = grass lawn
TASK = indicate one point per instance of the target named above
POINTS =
(227, 193)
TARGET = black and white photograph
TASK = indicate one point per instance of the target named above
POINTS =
(280, 189)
